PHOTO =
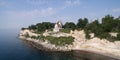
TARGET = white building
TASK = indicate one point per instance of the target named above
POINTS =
(57, 26)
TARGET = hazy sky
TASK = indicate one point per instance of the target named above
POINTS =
(20, 13)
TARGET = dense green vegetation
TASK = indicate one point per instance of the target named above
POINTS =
(69, 25)
(60, 40)
(65, 30)
(82, 23)
(56, 40)
(41, 27)
(101, 29)
(118, 36)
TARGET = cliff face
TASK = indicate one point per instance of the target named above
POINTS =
(95, 44)
(80, 42)
(46, 44)
(26, 31)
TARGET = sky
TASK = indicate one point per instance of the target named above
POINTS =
(22, 13)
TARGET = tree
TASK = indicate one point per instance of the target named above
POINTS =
(70, 25)
(40, 28)
(116, 25)
(93, 26)
(23, 28)
(82, 23)
(118, 36)
(104, 35)
(107, 23)
(44, 25)
(32, 27)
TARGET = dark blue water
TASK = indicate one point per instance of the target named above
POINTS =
(12, 48)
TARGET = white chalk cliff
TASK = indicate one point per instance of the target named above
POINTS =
(80, 42)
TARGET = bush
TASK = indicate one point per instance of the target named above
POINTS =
(67, 30)
(60, 40)
(34, 37)
(70, 25)
(23, 28)
(26, 35)
(87, 34)
(118, 36)
(104, 35)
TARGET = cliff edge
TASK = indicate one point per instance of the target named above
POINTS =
(94, 44)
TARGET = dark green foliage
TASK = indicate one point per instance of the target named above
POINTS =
(116, 25)
(55, 40)
(26, 35)
(87, 35)
(82, 23)
(44, 26)
(40, 27)
(108, 23)
(118, 36)
(42, 38)
(66, 30)
(104, 35)
(70, 25)
(60, 40)
(23, 28)
(93, 27)
(34, 37)
(87, 32)
(32, 27)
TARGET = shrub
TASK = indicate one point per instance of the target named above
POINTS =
(26, 35)
(23, 28)
(67, 30)
(33, 37)
(87, 34)
(104, 35)
(60, 40)
(118, 36)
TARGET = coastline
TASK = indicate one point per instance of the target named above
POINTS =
(95, 55)
(41, 46)
(76, 53)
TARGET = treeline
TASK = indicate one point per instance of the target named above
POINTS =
(108, 24)
(41, 27)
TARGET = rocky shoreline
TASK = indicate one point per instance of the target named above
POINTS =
(95, 45)
(43, 45)
(75, 53)
(92, 55)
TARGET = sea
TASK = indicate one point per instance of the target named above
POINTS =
(13, 48)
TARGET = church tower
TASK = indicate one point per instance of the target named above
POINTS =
(57, 26)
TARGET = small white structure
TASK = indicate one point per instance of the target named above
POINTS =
(113, 34)
(92, 35)
(57, 26)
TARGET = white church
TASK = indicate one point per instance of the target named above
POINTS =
(57, 26)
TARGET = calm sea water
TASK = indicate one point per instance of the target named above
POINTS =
(12, 48)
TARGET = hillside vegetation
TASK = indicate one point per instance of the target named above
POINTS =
(100, 29)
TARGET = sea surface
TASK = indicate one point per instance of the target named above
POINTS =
(12, 48)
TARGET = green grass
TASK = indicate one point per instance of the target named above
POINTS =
(56, 40)
(67, 30)
(60, 40)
